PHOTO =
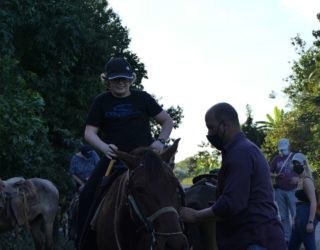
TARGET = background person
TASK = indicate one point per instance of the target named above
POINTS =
(119, 119)
(305, 221)
(286, 181)
(82, 164)
(244, 210)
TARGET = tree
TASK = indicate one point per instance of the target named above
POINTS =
(25, 148)
(251, 130)
(272, 122)
(301, 123)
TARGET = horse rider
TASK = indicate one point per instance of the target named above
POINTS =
(119, 119)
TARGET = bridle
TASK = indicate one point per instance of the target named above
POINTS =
(148, 221)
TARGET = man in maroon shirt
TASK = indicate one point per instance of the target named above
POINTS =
(286, 181)
(244, 210)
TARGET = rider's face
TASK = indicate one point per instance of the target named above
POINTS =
(119, 87)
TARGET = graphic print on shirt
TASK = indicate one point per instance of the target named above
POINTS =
(122, 110)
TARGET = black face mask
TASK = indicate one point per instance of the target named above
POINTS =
(298, 168)
(216, 140)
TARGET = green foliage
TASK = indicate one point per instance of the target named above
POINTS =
(271, 122)
(251, 130)
(203, 162)
(25, 148)
(176, 115)
(273, 130)
(9, 241)
(23, 241)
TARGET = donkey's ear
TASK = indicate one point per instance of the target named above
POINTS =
(169, 152)
(130, 160)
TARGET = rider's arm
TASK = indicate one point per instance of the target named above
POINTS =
(164, 119)
(309, 189)
(91, 136)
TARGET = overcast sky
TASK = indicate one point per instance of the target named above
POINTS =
(198, 53)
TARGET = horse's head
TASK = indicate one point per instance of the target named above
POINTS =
(154, 196)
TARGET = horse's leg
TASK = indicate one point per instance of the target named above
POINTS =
(48, 232)
(37, 235)
(49, 235)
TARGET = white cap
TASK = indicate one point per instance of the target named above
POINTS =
(301, 158)
(283, 144)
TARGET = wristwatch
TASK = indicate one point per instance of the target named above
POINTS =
(163, 141)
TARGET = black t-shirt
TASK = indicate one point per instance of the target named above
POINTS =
(124, 122)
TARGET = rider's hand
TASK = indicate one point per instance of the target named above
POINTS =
(157, 146)
(109, 150)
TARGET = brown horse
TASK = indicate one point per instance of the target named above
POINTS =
(139, 211)
(33, 203)
(202, 236)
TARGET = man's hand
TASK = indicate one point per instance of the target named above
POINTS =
(188, 214)
(157, 146)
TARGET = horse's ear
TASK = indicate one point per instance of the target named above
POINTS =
(169, 152)
(130, 160)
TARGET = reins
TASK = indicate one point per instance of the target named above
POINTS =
(147, 221)
(118, 201)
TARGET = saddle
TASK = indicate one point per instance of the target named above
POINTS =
(17, 195)
(205, 177)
